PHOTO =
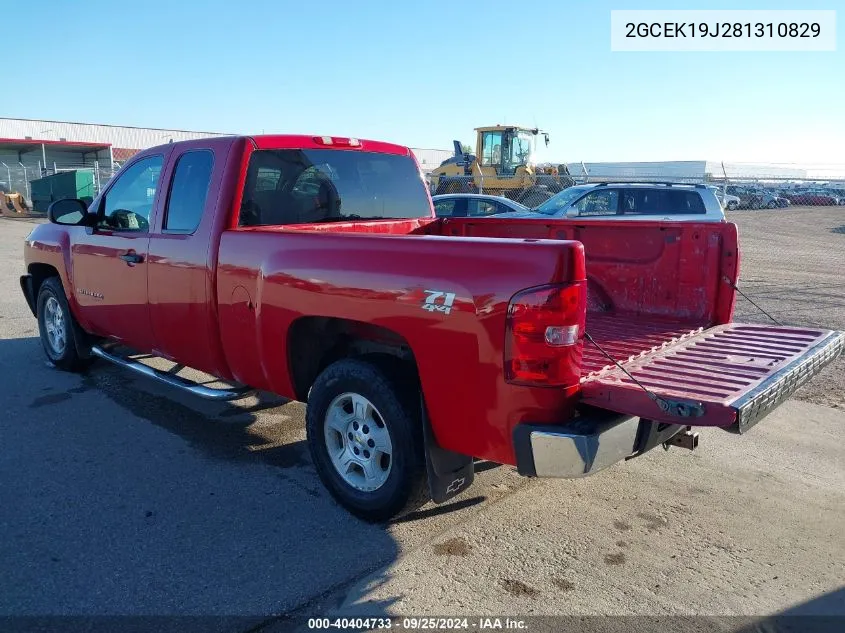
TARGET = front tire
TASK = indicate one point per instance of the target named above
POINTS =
(60, 334)
(365, 437)
(732, 206)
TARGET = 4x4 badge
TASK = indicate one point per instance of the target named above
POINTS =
(439, 301)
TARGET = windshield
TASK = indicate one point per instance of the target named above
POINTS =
(559, 201)
(290, 186)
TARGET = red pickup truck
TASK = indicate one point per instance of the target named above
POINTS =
(314, 268)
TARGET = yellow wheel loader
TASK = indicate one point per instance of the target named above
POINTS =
(502, 165)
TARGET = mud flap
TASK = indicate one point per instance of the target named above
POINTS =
(449, 473)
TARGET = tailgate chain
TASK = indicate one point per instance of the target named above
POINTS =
(727, 280)
(674, 407)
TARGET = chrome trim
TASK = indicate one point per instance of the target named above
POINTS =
(570, 454)
(774, 390)
(172, 380)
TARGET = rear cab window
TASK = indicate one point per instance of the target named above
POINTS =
(301, 186)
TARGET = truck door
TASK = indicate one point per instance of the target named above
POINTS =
(109, 264)
(182, 259)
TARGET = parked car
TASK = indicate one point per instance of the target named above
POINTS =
(314, 268)
(814, 198)
(727, 200)
(462, 205)
(771, 200)
(632, 201)
(748, 198)
(837, 193)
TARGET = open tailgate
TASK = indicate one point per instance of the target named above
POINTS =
(730, 376)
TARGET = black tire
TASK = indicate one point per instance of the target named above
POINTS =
(397, 403)
(72, 355)
(773, 204)
(732, 206)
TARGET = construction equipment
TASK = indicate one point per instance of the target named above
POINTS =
(503, 165)
(15, 201)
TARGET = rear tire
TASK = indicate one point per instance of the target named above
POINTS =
(365, 436)
(61, 336)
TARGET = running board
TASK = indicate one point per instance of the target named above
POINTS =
(172, 379)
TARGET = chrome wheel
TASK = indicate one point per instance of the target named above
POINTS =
(56, 325)
(358, 442)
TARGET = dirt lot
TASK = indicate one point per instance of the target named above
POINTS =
(793, 267)
(119, 496)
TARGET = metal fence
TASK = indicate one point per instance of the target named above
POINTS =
(739, 186)
(19, 178)
(735, 191)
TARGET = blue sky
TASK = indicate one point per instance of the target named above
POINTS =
(421, 74)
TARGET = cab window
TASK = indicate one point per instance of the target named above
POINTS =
(188, 191)
(128, 203)
(661, 202)
(491, 148)
(598, 202)
(479, 208)
(445, 208)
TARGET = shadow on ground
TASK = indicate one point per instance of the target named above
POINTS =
(121, 497)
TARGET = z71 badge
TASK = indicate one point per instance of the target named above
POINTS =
(438, 301)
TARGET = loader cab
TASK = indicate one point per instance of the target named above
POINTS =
(506, 149)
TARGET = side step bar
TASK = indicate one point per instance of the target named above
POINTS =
(173, 380)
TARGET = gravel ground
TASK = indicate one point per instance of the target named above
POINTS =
(793, 266)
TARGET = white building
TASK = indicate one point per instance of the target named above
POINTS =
(684, 170)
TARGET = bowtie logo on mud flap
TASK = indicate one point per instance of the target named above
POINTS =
(456, 485)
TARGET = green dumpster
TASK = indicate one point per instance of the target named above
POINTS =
(76, 183)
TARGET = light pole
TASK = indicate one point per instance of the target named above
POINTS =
(9, 176)
(44, 149)
(25, 182)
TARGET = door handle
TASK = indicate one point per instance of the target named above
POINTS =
(132, 258)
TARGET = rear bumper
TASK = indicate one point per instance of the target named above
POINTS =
(590, 443)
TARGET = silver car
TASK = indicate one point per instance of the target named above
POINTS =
(473, 205)
(632, 201)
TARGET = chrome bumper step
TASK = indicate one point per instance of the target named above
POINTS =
(172, 379)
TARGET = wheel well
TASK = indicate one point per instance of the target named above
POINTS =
(314, 343)
(40, 273)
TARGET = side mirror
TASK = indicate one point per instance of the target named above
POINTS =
(70, 212)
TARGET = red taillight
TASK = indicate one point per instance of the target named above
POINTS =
(543, 335)
(337, 140)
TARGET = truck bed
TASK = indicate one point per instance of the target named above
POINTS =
(627, 337)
